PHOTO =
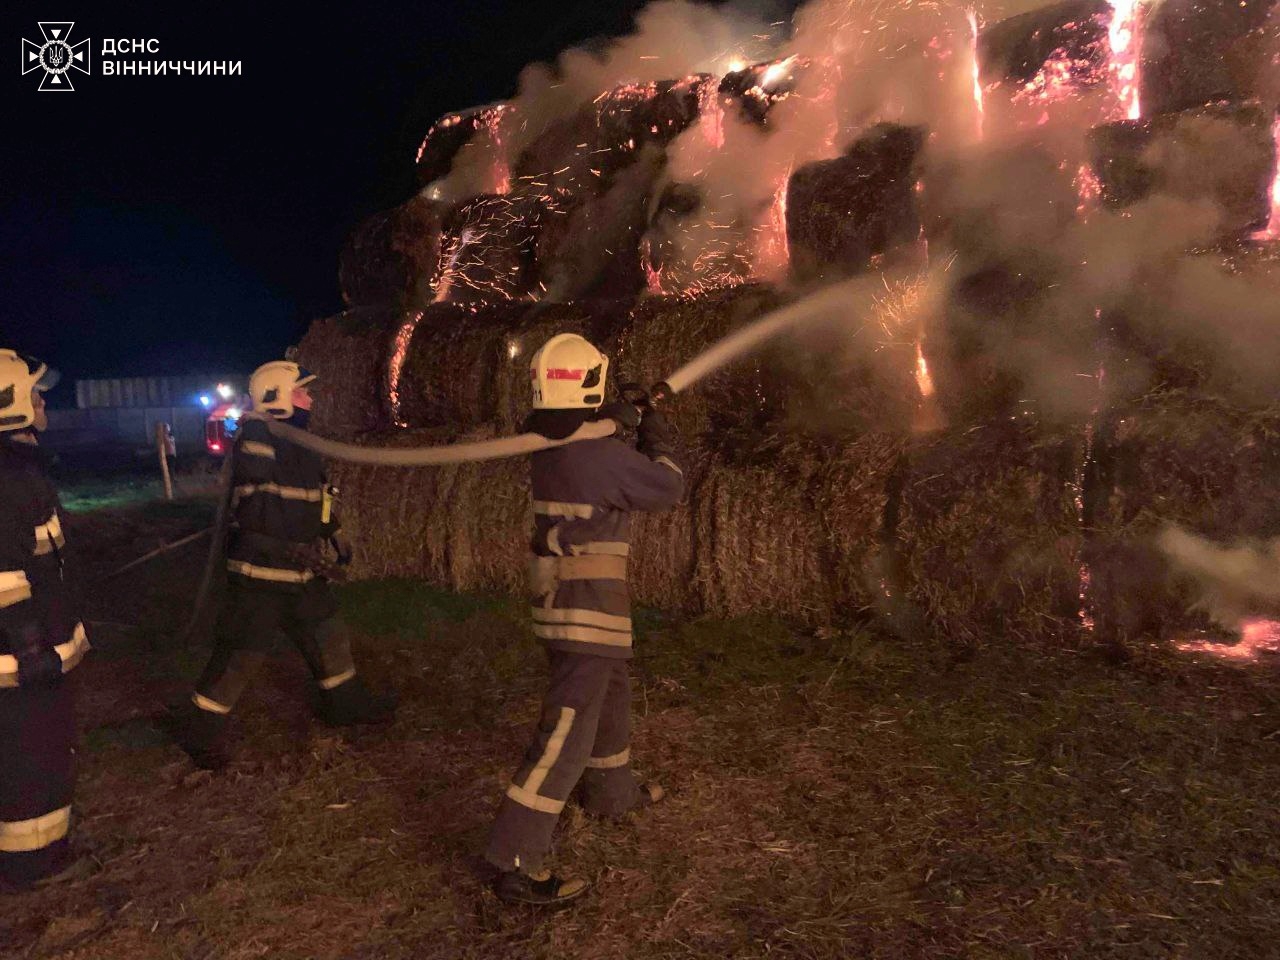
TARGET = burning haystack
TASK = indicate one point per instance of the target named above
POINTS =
(1067, 334)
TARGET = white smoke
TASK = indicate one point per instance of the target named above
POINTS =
(1232, 581)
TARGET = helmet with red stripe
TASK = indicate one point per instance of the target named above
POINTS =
(568, 373)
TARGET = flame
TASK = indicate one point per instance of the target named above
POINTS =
(399, 351)
(1272, 230)
(777, 72)
(1126, 55)
(977, 71)
(923, 379)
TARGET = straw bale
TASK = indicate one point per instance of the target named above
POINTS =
(843, 212)
(468, 366)
(1197, 52)
(1221, 152)
(348, 353)
(988, 532)
(665, 332)
(393, 257)
(759, 545)
(1016, 48)
(1186, 459)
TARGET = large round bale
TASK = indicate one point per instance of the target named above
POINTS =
(1177, 458)
(664, 333)
(843, 212)
(988, 533)
(1196, 52)
(487, 249)
(348, 352)
(468, 367)
(1221, 152)
(1073, 32)
(393, 257)
(760, 545)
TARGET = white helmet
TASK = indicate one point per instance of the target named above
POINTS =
(271, 386)
(568, 373)
(19, 376)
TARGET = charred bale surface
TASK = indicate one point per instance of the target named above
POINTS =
(1016, 48)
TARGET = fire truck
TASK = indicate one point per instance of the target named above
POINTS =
(220, 426)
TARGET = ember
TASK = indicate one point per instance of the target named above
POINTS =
(1259, 638)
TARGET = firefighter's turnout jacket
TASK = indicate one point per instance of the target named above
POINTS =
(583, 495)
(281, 508)
(40, 631)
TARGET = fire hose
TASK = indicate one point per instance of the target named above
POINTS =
(814, 307)
(832, 300)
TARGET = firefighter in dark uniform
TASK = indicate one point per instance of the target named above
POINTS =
(41, 641)
(282, 548)
(583, 495)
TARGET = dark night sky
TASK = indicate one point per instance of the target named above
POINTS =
(153, 225)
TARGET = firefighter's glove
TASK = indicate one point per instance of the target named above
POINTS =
(656, 437)
(626, 415)
(341, 548)
(38, 663)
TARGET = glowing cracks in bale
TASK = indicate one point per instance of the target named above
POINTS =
(1124, 36)
(395, 369)
(1272, 230)
(978, 105)
(1259, 637)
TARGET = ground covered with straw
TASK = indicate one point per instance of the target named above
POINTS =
(833, 793)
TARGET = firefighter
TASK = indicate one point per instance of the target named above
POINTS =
(583, 495)
(283, 547)
(41, 641)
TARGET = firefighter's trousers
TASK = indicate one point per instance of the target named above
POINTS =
(37, 740)
(250, 619)
(584, 734)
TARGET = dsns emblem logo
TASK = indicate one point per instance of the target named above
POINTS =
(56, 56)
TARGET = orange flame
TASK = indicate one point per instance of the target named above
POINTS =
(923, 378)
(1272, 230)
(1126, 55)
(977, 78)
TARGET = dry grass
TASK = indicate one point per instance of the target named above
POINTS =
(832, 795)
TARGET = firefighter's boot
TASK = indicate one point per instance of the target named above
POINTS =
(201, 735)
(352, 702)
(543, 889)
